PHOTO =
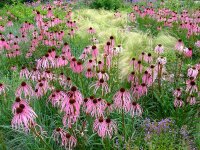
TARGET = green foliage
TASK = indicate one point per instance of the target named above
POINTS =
(165, 141)
(156, 105)
(107, 4)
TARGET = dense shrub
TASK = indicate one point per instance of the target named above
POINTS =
(107, 4)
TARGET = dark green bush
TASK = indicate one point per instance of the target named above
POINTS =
(107, 4)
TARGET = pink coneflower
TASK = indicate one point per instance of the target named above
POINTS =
(197, 44)
(69, 82)
(117, 50)
(117, 14)
(83, 56)
(193, 72)
(147, 78)
(69, 119)
(132, 78)
(24, 73)
(61, 61)
(49, 13)
(178, 102)
(112, 41)
(198, 66)
(17, 102)
(138, 66)
(122, 99)
(35, 74)
(87, 49)
(162, 60)
(159, 49)
(66, 48)
(75, 94)
(95, 52)
(23, 117)
(100, 65)
(111, 127)
(2, 88)
(110, 107)
(90, 64)
(95, 107)
(89, 73)
(135, 109)
(142, 56)
(142, 89)
(104, 127)
(103, 75)
(159, 28)
(70, 106)
(13, 68)
(85, 102)
(101, 84)
(91, 30)
(10, 36)
(15, 46)
(65, 81)
(99, 126)
(41, 88)
(69, 141)
(179, 45)
(177, 92)
(24, 90)
(73, 64)
(191, 100)
(58, 133)
(191, 87)
(78, 67)
(108, 48)
(57, 98)
(187, 52)
(45, 62)
(47, 74)
(148, 58)
(107, 59)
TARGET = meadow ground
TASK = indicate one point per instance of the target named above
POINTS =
(82, 78)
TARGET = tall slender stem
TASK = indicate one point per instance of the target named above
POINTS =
(40, 137)
(159, 76)
(123, 120)
(179, 71)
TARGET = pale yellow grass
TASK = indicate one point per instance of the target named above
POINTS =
(133, 42)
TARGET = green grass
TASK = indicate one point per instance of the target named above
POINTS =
(156, 105)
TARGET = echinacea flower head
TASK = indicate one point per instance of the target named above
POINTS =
(66, 139)
(95, 107)
(101, 83)
(104, 127)
(191, 87)
(24, 116)
(76, 94)
(159, 49)
(69, 141)
(162, 60)
(2, 88)
(95, 52)
(177, 92)
(111, 127)
(135, 109)
(179, 45)
(198, 44)
(178, 102)
(191, 100)
(187, 52)
(24, 90)
(122, 100)
(193, 72)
